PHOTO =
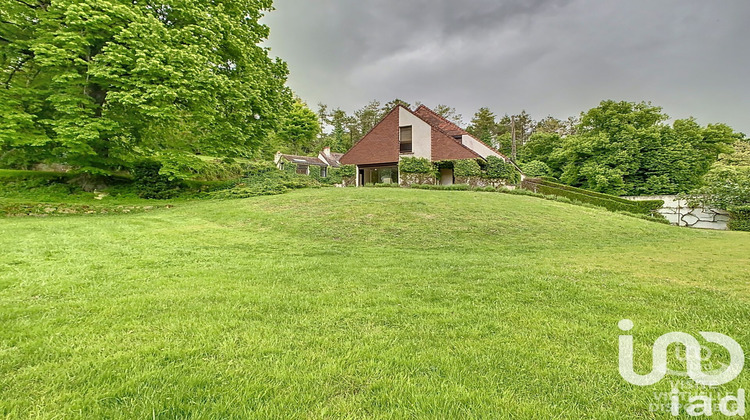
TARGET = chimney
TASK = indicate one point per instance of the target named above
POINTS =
(327, 151)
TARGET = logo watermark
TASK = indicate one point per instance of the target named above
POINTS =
(693, 398)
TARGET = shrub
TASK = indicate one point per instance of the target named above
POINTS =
(536, 168)
(454, 187)
(179, 166)
(466, 168)
(150, 183)
(739, 218)
(501, 170)
(263, 178)
(415, 165)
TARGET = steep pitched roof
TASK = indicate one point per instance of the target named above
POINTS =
(380, 145)
(438, 121)
(449, 128)
(445, 147)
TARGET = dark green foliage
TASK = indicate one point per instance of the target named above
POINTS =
(454, 187)
(466, 168)
(150, 183)
(536, 168)
(346, 171)
(314, 172)
(501, 170)
(414, 165)
(609, 202)
(627, 148)
(739, 218)
(263, 178)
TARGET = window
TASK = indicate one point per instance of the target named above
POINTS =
(404, 136)
(323, 172)
(302, 169)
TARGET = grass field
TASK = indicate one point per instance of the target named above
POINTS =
(354, 303)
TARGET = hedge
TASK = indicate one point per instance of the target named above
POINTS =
(466, 168)
(415, 165)
(454, 187)
(607, 201)
(739, 218)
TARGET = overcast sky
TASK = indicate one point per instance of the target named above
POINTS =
(549, 57)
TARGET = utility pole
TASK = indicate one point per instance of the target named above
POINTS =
(513, 137)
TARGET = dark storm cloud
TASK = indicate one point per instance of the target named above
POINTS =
(545, 56)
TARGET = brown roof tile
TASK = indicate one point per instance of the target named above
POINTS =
(380, 145)
(445, 147)
(438, 121)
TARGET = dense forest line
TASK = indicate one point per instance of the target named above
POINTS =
(617, 147)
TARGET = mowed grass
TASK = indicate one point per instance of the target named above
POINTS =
(354, 303)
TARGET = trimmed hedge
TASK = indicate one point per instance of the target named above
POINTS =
(739, 218)
(607, 201)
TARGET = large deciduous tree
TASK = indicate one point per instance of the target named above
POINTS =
(100, 84)
(627, 148)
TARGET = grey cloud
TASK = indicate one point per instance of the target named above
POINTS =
(545, 56)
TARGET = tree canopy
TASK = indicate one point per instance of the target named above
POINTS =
(100, 84)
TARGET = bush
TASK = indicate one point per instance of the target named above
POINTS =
(415, 165)
(194, 168)
(150, 183)
(500, 169)
(466, 168)
(536, 168)
(454, 187)
(263, 178)
(739, 218)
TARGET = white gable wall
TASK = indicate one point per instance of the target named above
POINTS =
(478, 147)
(421, 133)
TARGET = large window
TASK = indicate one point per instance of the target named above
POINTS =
(387, 175)
(303, 170)
(404, 137)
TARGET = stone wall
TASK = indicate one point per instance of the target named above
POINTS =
(678, 213)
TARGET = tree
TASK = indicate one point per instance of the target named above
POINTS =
(536, 168)
(518, 129)
(392, 104)
(449, 113)
(299, 129)
(626, 148)
(101, 84)
(727, 184)
(364, 120)
(483, 126)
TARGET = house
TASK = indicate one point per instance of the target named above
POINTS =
(420, 133)
(325, 160)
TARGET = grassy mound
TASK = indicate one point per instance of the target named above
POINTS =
(334, 302)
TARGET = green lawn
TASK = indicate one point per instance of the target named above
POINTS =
(354, 303)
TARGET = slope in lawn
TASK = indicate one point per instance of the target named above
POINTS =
(353, 302)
